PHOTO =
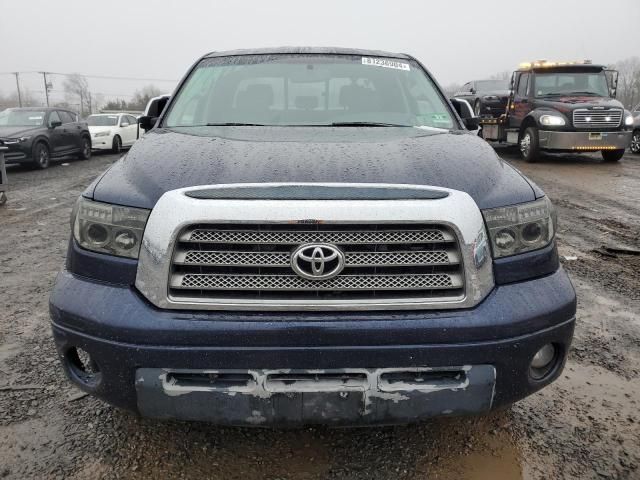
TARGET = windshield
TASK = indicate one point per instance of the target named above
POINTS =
(571, 83)
(102, 120)
(21, 118)
(305, 90)
(492, 85)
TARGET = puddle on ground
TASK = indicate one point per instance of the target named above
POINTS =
(496, 458)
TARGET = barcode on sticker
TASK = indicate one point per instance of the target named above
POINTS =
(385, 62)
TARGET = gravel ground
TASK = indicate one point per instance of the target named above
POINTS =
(585, 425)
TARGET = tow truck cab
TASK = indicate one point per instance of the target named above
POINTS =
(563, 107)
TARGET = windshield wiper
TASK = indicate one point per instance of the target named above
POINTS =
(584, 93)
(364, 124)
(235, 124)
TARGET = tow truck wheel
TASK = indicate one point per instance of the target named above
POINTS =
(635, 142)
(612, 155)
(529, 146)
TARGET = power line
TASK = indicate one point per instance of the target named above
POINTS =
(104, 77)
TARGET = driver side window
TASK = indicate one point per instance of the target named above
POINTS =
(53, 117)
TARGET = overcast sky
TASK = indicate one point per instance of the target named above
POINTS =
(158, 39)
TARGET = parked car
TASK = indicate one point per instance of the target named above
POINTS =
(635, 138)
(112, 131)
(488, 97)
(39, 134)
(3, 175)
(312, 235)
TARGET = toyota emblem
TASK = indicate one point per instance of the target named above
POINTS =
(319, 261)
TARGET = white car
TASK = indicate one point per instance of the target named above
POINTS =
(113, 131)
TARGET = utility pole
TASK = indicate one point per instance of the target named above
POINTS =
(18, 87)
(46, 86)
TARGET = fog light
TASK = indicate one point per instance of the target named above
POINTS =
(83, 367)
(543, 361)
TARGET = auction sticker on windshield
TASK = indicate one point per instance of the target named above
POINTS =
(385, 62)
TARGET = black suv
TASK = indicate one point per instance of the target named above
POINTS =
(37, 135)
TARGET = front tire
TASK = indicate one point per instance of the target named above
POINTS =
(116, 146)
(41, 156)
(530, 145)
(85, 152)
(635, 142)
(612, 155)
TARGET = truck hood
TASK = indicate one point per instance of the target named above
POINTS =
(15, 132)
(572, 102)
(167, 159)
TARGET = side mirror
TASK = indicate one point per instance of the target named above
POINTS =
(55, 123)
(152, 111)
(124, 124)
(471, 122)
(147, 122)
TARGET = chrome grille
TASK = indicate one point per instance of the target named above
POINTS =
(293, 237)
(246, 262)
(584, 118)
(292, 282)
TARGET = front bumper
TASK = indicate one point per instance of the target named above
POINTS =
(18, 153)
(162, 363)
(101, 143)
(584, 141)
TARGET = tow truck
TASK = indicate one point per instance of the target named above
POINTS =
(562, 107)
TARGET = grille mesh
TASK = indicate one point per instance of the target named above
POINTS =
(292, 282)
(336, 237)
(584, 118)
(274, 259)
(229, 263)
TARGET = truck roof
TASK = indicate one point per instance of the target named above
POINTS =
(542, 65)
(308, 50)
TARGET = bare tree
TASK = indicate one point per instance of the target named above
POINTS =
(77, 86)
(628, 81)
(141, 97)
(504, 75)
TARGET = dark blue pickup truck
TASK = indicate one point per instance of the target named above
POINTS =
(311, 235)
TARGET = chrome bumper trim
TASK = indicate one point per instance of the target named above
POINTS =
(581, 141)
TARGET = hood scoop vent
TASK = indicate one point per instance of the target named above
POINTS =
(299, 191)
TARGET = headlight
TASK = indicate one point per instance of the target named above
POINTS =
(552, 120)
(102, 134)
(111, 229)
(14, 141)
(628, 120)
(490, 98)
(520, 228)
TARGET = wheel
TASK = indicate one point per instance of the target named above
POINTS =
(612, 155)
(41, 156)
(635, 142)
(529, 145)
(85, 152)
(477, 108)
(116, 146)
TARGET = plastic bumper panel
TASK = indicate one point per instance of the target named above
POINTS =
(346, 396)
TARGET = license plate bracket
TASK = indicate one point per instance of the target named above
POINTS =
(594, 136)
